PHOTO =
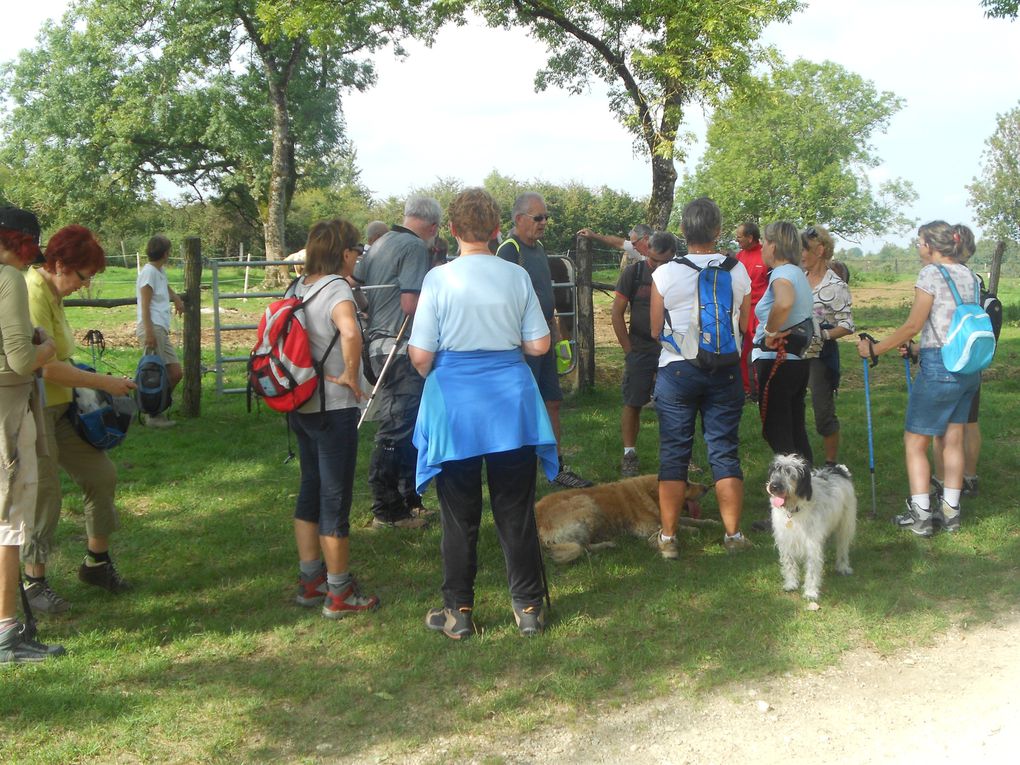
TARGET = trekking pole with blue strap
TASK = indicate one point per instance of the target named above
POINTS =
(867, 407)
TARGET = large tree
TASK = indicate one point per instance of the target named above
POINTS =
(235, 98)
(795, 145)
(657, 56)
(1003, 9)
(995, 196)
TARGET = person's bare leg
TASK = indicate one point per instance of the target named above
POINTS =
(971, 448)
(8, 581)
(337, 552)
(730, 494)
(918, 470)
(830, 445)
(672, 495)
(630, 424)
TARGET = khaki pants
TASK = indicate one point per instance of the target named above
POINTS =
(12, 533)
(90, 468)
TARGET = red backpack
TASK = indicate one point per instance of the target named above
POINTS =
(281, 368)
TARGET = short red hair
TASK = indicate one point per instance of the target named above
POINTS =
(24, 246)
(77, 248)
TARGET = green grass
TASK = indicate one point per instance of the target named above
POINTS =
(208, 659)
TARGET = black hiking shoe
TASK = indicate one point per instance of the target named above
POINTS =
(455, 623)
(17, 648)
(105, 576)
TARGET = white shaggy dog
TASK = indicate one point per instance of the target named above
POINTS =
(809, 506)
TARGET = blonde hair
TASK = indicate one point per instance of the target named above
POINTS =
(785, 236)
(327, 242)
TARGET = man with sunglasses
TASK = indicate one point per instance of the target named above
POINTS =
(524, 247)
(635, 246)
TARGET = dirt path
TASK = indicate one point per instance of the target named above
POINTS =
(957, 702)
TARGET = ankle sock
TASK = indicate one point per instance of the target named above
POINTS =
(338, 582)
(922, 502)
(310, 568)
(7, 624)
(952, 496)
(97, 559)
(738, 535)
(629, 450)
(664, 538)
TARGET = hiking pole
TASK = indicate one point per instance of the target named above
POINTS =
(867, 407)
(30, 628)
(382, 373)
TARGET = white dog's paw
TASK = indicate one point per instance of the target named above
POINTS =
(791, 586)
(811, 595)
(844, 570)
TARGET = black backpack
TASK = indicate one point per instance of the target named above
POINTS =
(153, 385)
(993, 307)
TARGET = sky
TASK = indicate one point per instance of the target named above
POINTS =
(467, 106)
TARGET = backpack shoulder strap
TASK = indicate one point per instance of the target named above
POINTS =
(635, 285)
(685, 261)
(952, 285)
(728, 263)
(511, 241)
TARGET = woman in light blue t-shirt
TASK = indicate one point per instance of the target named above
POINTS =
(782, 384)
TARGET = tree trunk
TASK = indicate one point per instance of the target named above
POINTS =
(585, 318)
(191, 404)
(996, 268)
(660, 205)
(275, 221)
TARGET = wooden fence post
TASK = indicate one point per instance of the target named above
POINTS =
(585, 317)
(192, 397)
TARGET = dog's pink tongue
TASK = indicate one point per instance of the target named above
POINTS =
(778, 501)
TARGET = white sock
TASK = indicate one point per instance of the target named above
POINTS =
(738, 535)
(664, 538)
(952, 496)
(629, 450)
(922, 502)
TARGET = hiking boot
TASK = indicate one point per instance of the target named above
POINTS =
(668, 549)
(311, 590)
(530, 620)
(568, 479)
(737, 544)
(455, 623)
(348, 601)
(970, 486)
(629, 465)
(914, 520)
(947, 518)
(105, 575)
(16, 647)
(42, 598)
(422, 512)
(157, 421)
(409, 522)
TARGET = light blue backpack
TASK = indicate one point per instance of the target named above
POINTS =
(970, 345)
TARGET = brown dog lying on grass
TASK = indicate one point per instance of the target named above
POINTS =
(573, 522)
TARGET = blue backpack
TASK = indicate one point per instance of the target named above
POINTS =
(100, 419)
(153, 385)
(970, 345)
(709, 342)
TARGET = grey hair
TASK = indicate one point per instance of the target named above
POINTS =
(423, 208)
(375, 229)
(785, 236)
(701, 221)
(641, 230)
(663, 243)
(523, 202)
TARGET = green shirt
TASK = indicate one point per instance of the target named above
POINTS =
(48, 312)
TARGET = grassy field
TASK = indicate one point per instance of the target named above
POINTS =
(208, 660)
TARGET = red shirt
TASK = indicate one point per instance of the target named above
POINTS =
(756, 269)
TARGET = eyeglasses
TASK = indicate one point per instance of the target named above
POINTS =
(84, 279)
(360, 248)
(537, 218)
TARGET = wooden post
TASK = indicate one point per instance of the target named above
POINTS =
(191, 404)
(993, 273)
(585, 317)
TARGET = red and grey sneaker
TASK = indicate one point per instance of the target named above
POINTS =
(348, 601)
(311, 590)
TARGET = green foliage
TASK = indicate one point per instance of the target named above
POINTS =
(1003, 9)
(223, 98)
(794, 145)
(656, 56)
(996, 195)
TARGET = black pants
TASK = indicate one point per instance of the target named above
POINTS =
(511, 478)
(784, 428)
(392, 466)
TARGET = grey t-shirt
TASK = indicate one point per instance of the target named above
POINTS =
(324, 295)
(399, 257)
(536, 263)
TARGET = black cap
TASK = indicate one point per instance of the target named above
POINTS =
(22, 221)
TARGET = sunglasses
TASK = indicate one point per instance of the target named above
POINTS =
(810, 233)
(537, 218)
